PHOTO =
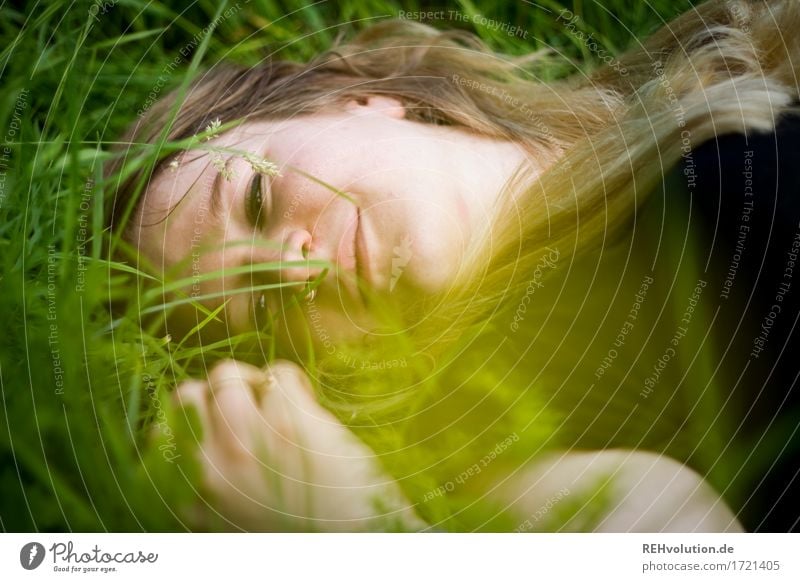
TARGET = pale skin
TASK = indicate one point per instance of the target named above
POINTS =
(273, 457)
(401, 176)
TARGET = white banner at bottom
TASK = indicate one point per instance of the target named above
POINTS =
(389, 557)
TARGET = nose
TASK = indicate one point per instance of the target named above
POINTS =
(295, 254)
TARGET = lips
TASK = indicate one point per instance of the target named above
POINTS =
(362, 257)
(363, 266)
(352, 257)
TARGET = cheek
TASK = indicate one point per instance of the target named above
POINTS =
(462, 210)
(293, 197)
(432, 253)
(422, 241)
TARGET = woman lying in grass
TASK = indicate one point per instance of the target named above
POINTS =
(448, 305)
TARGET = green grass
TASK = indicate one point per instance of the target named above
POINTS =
(81, 384)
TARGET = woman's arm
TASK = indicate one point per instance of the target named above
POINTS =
(275, 460)
(613, 491)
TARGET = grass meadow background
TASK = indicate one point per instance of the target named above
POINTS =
(81, 384)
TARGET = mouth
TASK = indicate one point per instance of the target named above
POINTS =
(362, 257)
(353, 259)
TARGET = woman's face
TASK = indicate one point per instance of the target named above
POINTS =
(410, 197)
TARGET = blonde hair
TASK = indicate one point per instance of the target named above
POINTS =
(723, 67)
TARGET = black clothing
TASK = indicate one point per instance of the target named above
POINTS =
(743, 194)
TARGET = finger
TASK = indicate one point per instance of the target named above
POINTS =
(234, 410)
(289, 405)
(329, 464)
(234, 370)
(193, 394)
(290, 414)
(298, 421)
(292, 383)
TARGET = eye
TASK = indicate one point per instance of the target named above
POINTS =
(254, 202)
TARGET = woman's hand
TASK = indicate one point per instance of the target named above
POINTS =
(275, 460)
